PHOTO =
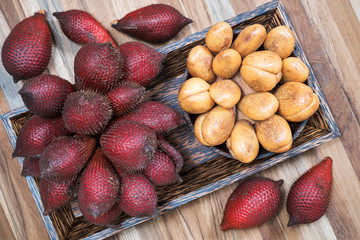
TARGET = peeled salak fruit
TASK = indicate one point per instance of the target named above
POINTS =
(82, 28)
(45, 95)
(31, 167)
(129, 145)
(97, 66)
(65, 157)
(309, 196)
(36, 134)
(86, 112)
(252, 203)
(27, 50)
(161, 170)
(141, 63)
(138, 196)
(108, 218)
(55, 194)
(156, 23)
(125, 97)
(156, 115)
(99, 186)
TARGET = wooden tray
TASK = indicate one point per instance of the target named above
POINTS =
(204, 170)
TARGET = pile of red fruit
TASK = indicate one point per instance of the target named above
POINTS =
(96, 140)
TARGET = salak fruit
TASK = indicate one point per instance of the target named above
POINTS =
(31, 167)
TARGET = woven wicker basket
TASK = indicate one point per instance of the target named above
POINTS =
(204, 170)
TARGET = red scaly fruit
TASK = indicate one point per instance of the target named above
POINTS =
(309, 196)
(65, 157)
(161, 170)
(156, 115)
(108, 219)
(129, 145)
(55, 194)
(36, 134)
(138, 196)
(82, 28)
(86, 112)
(45, 95)
(172, 152)
(136, 54)
(125, 97)
(156, 23)
(252, 203)
(31, 167)
(27, 50)
(98, 67)
(99, 186)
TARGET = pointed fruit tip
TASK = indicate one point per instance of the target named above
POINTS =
(41, 11)
(15, 79)
(57, 14)
(114, 22)
(291, 222)
(279, 182)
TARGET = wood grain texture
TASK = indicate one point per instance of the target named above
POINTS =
(324, 30)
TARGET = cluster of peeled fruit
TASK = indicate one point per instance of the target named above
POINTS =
(245, 91)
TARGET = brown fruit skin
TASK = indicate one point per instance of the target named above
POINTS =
(253, 202)
(259, 106)
(45, 95)
(27, 50)
(294, 70)
(309, 196)
(199, 63)
(219, 37)
(97, 67)
(225, 93)
(249, 39)
(280, 40)
(31, 167)
(198, 128)
(226, 63)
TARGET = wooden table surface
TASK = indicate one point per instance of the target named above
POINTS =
(328, 30)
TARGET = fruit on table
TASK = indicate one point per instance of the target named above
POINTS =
(249, 39)
(125, 97)
(294, 70)
(225, 93)
(156, 23)
(261, 70)
(199, 63)
(226, 63)
(141, 63)
(216, 126)
(36, 134)
(297, 101)
(243, 143)
(45, 95)
(65, 157)
(27, 50)
(309, 196)
(253, 202)
(99, 186)
(194, 96)
(259, 106)
(274, 134)
(86, 112)
(219, 37)
(31, 167)
(280, 40)
(97, 67)
(82, 28)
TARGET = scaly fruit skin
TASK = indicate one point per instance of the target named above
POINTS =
(125, 97)
(99, 186)
(309, 196)
(172, 152)
(107, 219)
(161, 170)
(27, 50)
(45, 95)
(82, 28)
(65, 157)
(31, 167)
(138, 197)
(137, 54)
(97, 67)
(86, 112)
(129, 145)
(36, 134)
(55, 194)
(156, 23)
(156, 115)
(252, 203)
